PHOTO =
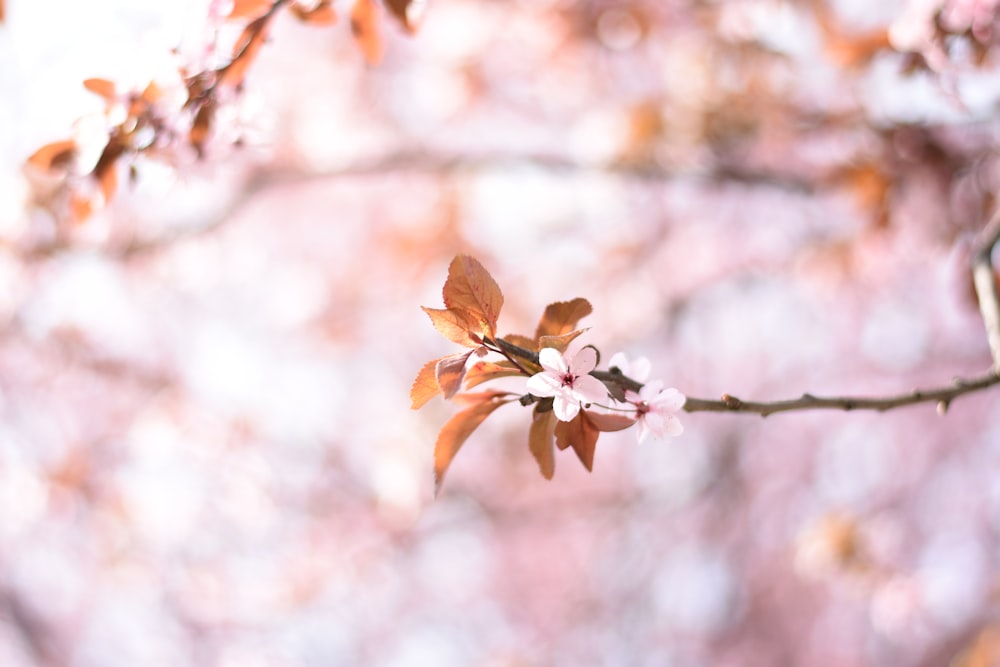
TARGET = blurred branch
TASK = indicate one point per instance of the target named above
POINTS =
(986, 286)
(417, 160)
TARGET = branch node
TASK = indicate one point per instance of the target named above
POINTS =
(732, 402)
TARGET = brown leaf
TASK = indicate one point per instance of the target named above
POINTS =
(201, 127)
(450, 371)
(522, 341)
(484, 371)
(244, 51)
(401, 10)
(607, 423)
(581, 435)
(540, 441)
(366, 29)
(56, 155)
(106, 171)
(245, 9)
(471, 288)
(458, 326)
(321, 14)
(560, 342)
(562, 317)
(1, 12)
(458, 429)
(425, 386)
(102, 87)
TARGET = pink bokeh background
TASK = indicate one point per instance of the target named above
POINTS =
(207, 455)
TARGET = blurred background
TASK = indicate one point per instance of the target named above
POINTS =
(207, 455)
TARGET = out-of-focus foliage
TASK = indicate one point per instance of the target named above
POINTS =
(207, 455)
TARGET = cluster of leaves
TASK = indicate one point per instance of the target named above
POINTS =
(162, 115)
(472, 302)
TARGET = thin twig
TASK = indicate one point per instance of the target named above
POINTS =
(943, 396)
(986, 286)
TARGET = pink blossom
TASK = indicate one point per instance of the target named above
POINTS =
(566, 380)
(655, 408)
(637, 369)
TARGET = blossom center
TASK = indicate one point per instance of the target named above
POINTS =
(567, 379)
(641, 408)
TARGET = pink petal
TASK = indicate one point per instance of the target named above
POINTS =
(589, 389)
(673, 427)
(584, 361)
(552, 361)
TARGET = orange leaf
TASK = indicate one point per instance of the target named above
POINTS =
(321, 14)
(581, 435)
(458, 326)
(55, 155)
(458, 429)
(102, 87)
(562, 317)
(540, 441)
(151, 93)
(366, 30)
(471, 288)
(560, 342)
(249, 8)
(484, 371)
(425, 386)
(450, 371)
(80, 207)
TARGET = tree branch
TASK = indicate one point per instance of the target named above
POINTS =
(986, 286)
(943, 396)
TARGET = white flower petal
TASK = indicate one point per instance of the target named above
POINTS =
(543, 384)
(552, 361)
(651, 390)
(621, 361)
(670, 400)
(565, 409)
(655, 422)
(639, 369)
(673, 427)
(643, 430)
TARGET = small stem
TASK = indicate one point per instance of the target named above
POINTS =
(506, 349)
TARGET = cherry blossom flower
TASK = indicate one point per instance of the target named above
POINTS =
(566, 380)
(655, 408)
